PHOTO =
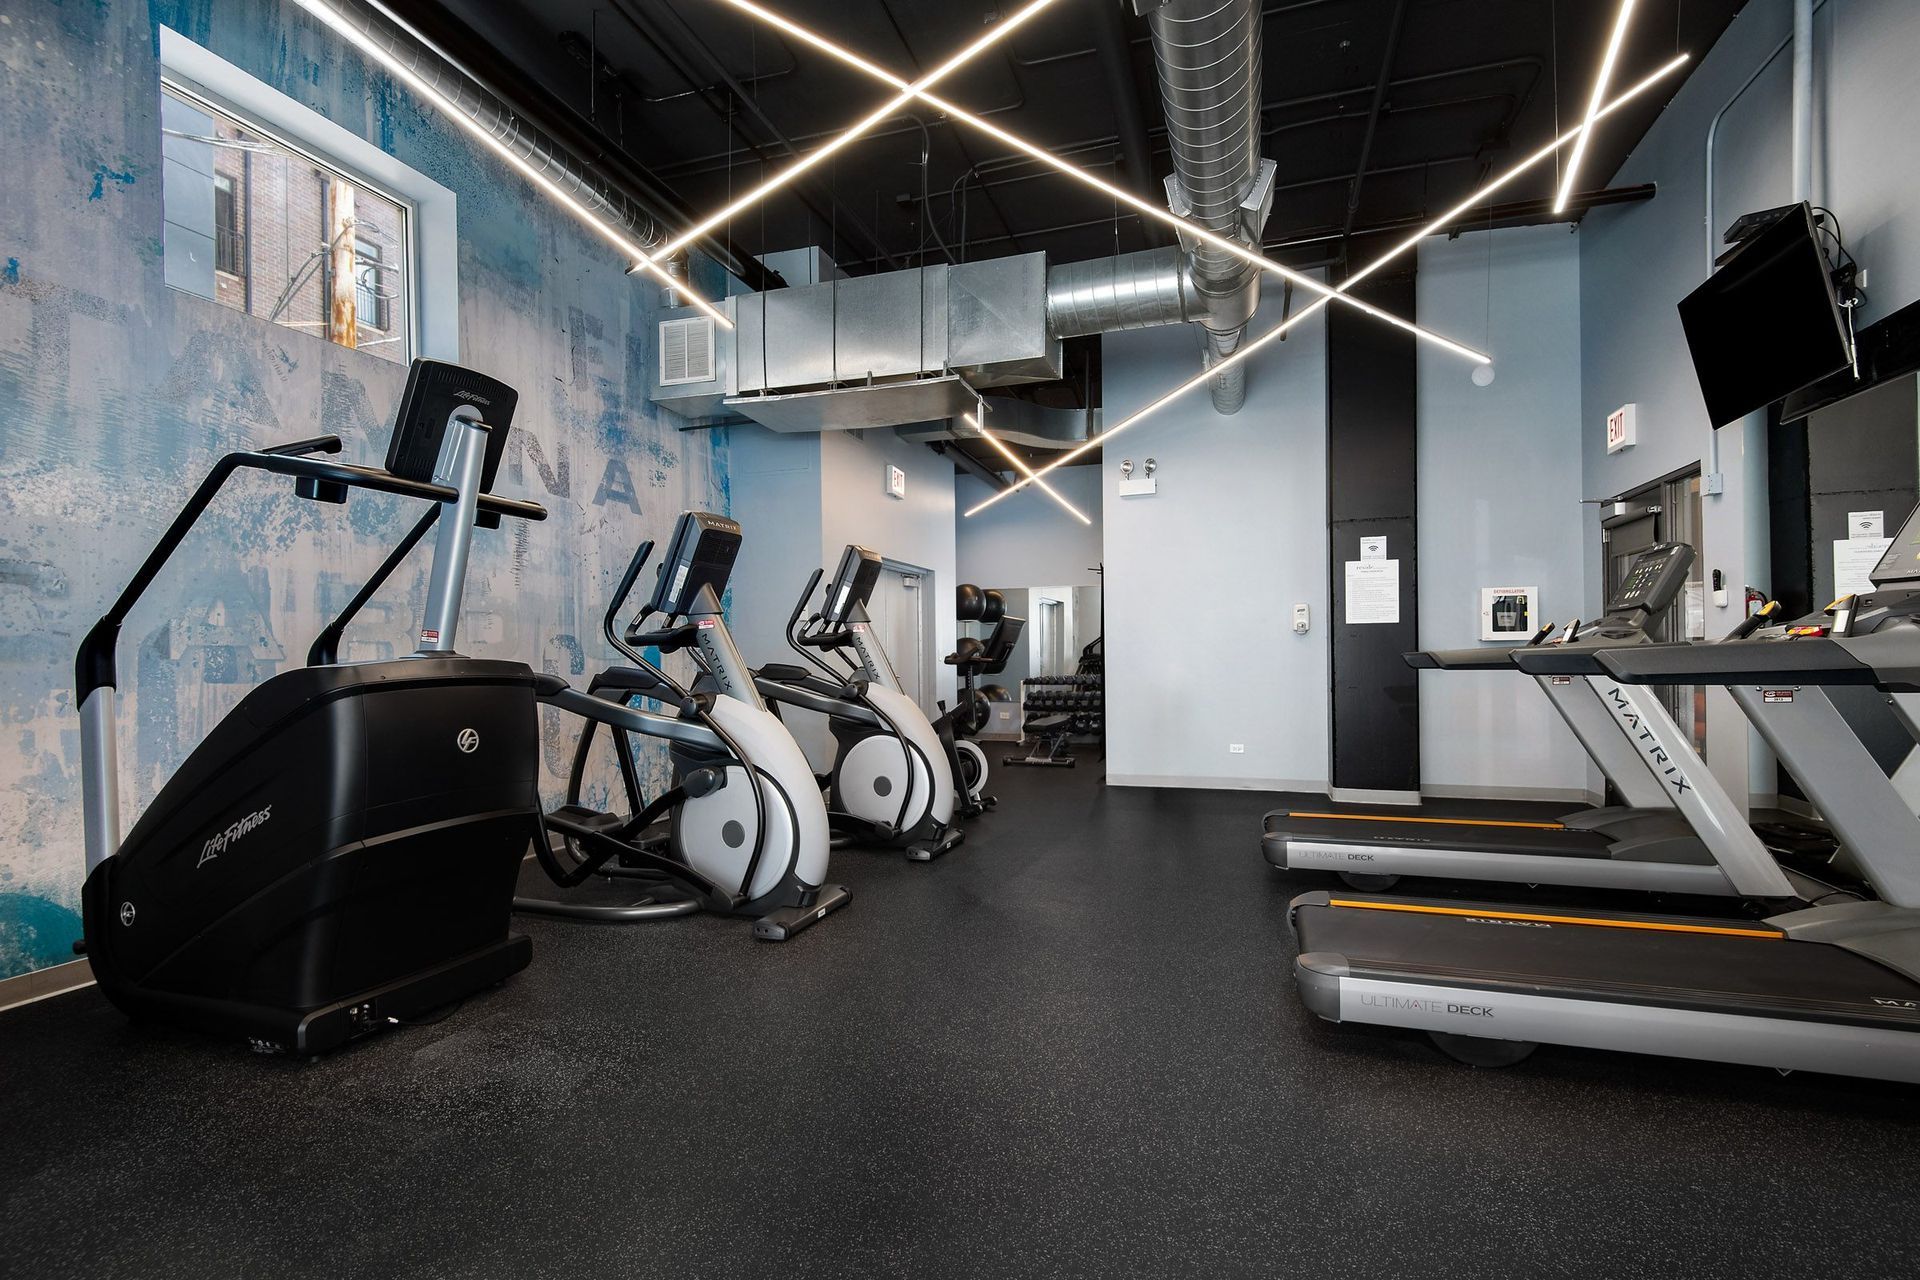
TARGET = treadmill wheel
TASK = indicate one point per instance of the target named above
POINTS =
(1480, 1051)
(1368, 884)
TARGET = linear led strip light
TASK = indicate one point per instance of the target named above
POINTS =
(820, 155)
(1025, 470)
(1274, 334)
(327, 14)
(1196, 230)
(1611, 56)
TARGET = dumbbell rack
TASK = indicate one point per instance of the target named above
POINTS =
(1056, 709)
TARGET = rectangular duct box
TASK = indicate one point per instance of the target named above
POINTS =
(686, 351)
(921, 332)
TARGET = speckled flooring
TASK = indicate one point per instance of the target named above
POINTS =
(1070, 1048)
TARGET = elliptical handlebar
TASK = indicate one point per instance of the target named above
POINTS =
(610, 623)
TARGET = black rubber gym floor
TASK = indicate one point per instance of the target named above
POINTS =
(1070, 1048)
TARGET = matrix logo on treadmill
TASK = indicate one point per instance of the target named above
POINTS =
(1656, 754)
(221, 839)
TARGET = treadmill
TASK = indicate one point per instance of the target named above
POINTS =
(1832, 988)
(1679, 832)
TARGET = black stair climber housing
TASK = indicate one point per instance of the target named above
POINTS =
(329, 856)
(339, 852)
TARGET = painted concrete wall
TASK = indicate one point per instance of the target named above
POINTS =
(1638, 261)
(802, 499)
(1203, 575)
(917, 530)
(1499, 499)
(120, 394)
(1027, 540)
(776, 497)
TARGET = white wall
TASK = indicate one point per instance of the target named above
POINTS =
(1499, 500)
(1638, 261)
(801, 499)
(1027, 540)
(917, 530)
(1203, 575)
(776, 498)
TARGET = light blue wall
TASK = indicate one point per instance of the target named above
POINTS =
(1499, 499)
(917, 530)
(1202, 576)
(1638, 261)
(802, 499)
(119, 394)
(1027, 540)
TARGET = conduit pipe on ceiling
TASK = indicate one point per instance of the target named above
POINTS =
(386, 30)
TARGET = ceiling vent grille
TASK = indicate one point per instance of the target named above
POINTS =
(686, 350)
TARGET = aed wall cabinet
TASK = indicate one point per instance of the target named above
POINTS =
(1507, 613)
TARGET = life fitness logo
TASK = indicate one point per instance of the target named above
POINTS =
(468, 740)
(220, 841)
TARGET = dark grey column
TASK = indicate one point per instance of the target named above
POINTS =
(1371, 492)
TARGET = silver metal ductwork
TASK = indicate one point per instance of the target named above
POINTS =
(913, 349)
(1207, 57)
(1130, 291)
(420, 58)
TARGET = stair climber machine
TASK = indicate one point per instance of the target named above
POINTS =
(1665, 838)
(1830, 987)
(742, 830)
(339, 853)
(892, 781)
(970, 660)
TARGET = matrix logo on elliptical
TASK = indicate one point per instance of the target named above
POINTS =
(221, 839)
(476, 399)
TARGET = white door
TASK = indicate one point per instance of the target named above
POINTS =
(898, 610)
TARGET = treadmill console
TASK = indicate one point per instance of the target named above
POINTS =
(1654, 580)
(1900, 564)
(852, 584)
(700, 554)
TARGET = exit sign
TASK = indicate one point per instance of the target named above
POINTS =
(1622, 428)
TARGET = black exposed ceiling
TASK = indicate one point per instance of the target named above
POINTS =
(702, 98)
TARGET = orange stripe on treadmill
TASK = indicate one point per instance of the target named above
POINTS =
(1651, 925)
(1442, 822)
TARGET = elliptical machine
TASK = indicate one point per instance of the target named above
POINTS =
(338, 854)
(971, 659)
(892, 781)
(746, 829)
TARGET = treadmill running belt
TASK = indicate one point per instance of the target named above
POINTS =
(1444, 833)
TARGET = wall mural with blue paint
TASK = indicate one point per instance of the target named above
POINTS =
(118, 393)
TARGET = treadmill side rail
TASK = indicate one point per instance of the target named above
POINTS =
(1785, 1044)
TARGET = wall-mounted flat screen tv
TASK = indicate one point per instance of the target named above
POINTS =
(1768, 322)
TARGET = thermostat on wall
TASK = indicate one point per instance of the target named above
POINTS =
(896, 481)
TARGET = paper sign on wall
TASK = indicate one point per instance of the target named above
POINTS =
(1853, 561)
(1373, 548)
(1373, 591)
(1866, 524)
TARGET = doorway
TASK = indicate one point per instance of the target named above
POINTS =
(899, 611)
(1667, 510)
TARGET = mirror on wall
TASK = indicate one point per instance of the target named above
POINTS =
(1062, 622)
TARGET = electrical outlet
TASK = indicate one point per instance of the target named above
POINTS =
(1237, 748)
